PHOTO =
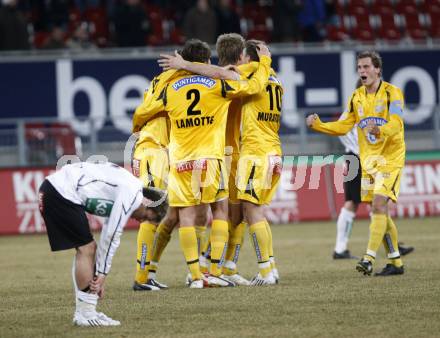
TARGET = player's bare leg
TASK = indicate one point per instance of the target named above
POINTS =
(83, 273)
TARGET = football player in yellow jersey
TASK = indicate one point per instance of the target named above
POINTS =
(228, 49)
(150, 163)
(259, 166)
(197, 107)
(377, 108)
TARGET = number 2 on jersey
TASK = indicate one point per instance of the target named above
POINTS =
(193, 94)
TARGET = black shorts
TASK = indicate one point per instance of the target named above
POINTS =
(66, 222)
(352, 189)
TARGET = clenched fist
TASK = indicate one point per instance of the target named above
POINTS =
(310, 119)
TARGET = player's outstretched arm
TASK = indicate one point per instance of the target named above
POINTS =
(177, 62)
(150, 107)
(337, 128)
(259, 79)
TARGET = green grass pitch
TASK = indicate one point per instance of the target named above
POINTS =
(316, 297)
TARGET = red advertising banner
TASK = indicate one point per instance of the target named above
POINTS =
(304, 193)
(19, 208)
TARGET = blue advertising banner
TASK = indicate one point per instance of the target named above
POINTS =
(110, 89)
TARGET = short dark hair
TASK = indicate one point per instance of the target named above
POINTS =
(375, 58)
(229, 48)
(252, 49)
(195, 50)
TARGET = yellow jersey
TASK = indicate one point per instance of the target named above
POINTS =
(385, 109)
(233, 125)
(197, 107)
(261, 118)
(156, 130)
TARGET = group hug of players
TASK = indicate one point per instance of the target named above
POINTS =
(209, 136)
(224, 153)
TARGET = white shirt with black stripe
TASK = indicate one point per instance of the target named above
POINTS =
(106, 190)
(350, 141)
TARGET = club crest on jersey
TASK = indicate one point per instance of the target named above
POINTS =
(378, 121)
(360, 111)
(378, 108)
(197, 79)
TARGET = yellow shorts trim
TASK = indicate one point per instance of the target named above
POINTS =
(151, 164)
(383, 181)
(231, 162)
(258, 178)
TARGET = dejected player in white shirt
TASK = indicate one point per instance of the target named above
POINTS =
(102, 189)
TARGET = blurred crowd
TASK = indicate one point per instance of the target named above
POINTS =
(91, 24)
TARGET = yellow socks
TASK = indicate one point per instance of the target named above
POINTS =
(161, 240)
(260, 240)
(145, 239)
(219, 242)
(205, 256)
(236, 237)
(188, 243)
(391, 245)
(201, 237)
(378, 227)
(271, 256)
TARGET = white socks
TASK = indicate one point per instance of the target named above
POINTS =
(84, 301)
(343, 229)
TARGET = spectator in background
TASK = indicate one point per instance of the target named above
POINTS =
(311, 19)
(51, 13)
(131, 24)
(200, 22)
(56, 39)
(81, 39)
(13, 27)
(331, 17)
(285, 20)
(228, 20)
(82, 5)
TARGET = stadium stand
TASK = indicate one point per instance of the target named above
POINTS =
(390, 21)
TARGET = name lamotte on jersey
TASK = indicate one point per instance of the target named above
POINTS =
(195, 122)
(197, 79)
(268, 117)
